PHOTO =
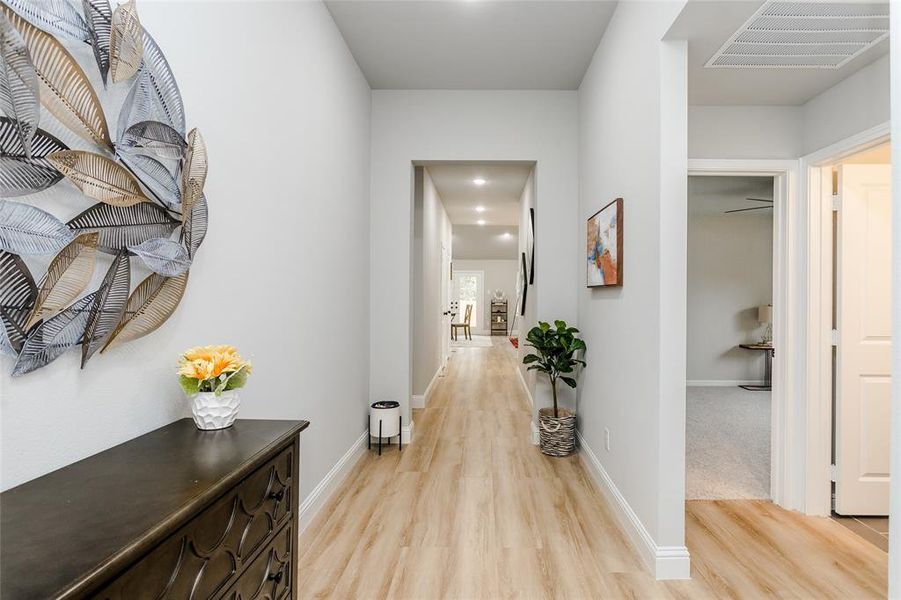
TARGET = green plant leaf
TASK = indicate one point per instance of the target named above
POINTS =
(569, 381)
(544, 327)
(530, 358)
(189, 385)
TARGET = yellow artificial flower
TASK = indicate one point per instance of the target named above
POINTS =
(209, 362)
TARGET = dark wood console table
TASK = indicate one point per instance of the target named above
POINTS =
(769, 352)
(176, 513)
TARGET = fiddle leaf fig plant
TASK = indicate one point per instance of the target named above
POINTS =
(556, 350)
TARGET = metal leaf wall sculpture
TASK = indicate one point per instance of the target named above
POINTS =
(163, 256)
(108, 307)
(100, 18)
(67, 277)
(20, 174)
(123, 226)
(193, 170)
(98, 177)
(57, 17)
(53, 337)
(64, 88)
(146, 190)
(17, 295)
(26, 230)
(153, 138)
(152, 302)
(154, 95)
(18, 84)
(156, 178)
(126, 42)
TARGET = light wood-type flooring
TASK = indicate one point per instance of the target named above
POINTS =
(472, 510)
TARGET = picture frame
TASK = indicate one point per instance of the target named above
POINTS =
(604, 246)
(525, 285)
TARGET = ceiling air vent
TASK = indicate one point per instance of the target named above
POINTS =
(804, 35)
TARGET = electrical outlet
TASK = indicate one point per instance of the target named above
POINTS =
(606, 439)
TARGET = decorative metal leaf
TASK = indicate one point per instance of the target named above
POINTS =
(53, 337)
(12, 336)
(27, 230)
(67, 277)
(18, 84)
(154, 95)
(126, 42)
(123, 226)
(17, 295)
(193, 171)
(99, 17)
(58, 17)
(20, 175)
(195, 226)
(64, 88)
(155, 138)
(98, 177)
(108, 307)
(152, 302)
(155, 177)
(163, 256)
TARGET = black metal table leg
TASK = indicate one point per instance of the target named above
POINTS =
(400, 434)
(380, 437)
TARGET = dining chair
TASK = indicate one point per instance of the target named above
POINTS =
(465, 325)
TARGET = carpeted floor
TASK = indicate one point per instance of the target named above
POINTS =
(727, 444)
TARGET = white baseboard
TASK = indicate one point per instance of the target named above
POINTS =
(665, 562)
(420, 401)
(321, 494)
(407, 433)
(525, 387)
(534, 430)
(721, 382)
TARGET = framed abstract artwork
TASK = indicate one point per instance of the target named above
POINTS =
(524, 282)
(530, 244)
(604, 247)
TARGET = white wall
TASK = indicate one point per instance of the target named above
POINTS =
(408, 126)
(633, 145)
(745, 131)
(525, 322)
(288, 184)
(730, 273)
(499, 275)
(427, 328)
(853, 105)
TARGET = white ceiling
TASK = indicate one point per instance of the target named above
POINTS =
(491, 242)
(476, 44)
(708, 24)
(715, 195)
(499, 196)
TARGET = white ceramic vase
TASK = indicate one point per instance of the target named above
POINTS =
(215, 412)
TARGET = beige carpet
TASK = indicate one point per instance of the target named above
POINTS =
(727, 444)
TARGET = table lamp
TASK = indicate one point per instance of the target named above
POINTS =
(765, 316)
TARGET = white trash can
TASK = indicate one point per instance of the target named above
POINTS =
(384, 422)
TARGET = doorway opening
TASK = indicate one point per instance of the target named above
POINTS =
(729, 337)
(858, 187)
(468, 245)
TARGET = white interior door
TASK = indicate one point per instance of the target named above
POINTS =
(863, 317)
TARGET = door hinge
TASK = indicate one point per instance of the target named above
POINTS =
(835, 337)
(836, 202)
(833, 473)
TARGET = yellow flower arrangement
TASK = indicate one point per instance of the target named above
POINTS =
(212, 369)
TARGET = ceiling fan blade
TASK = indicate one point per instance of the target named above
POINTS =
(759, 200)
(747, 209)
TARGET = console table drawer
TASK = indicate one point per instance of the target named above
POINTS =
(270, 575)
(202, 558)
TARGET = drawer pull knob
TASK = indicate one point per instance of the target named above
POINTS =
(277, 496)
(276, 577)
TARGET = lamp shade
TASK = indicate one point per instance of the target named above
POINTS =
(765, 313)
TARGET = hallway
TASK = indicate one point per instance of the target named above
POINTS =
(473, 510)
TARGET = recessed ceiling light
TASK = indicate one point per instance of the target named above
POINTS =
(481, 221)
(480, 209)
(506, 235)
(479, 181)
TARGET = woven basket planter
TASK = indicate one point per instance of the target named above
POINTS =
(556, 435)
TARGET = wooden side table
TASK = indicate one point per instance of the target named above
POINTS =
(769, 353)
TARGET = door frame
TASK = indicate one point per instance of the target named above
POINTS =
(816, 176)
(477, 328)
(784, 445)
